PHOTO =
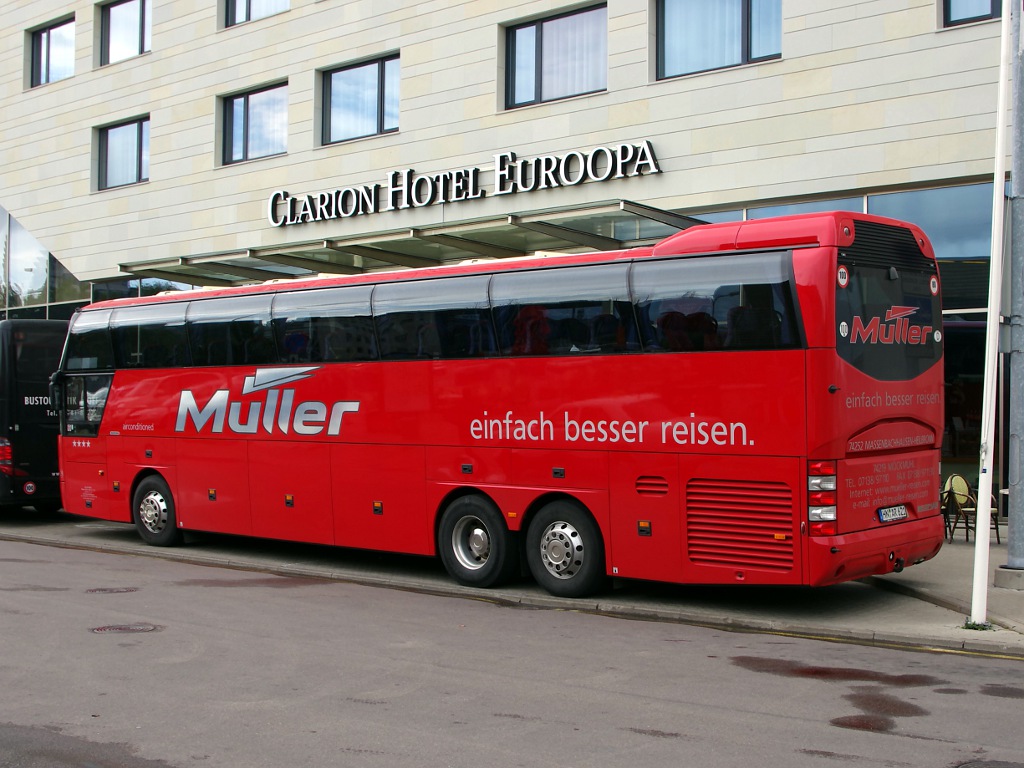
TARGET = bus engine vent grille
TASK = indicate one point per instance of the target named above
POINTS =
(650, 485)
(740, 523)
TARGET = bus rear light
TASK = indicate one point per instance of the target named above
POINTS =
(822, 499)
(6, 458)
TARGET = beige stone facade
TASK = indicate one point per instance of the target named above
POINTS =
(869, 96)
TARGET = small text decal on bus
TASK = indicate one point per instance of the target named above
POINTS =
(276, 410)
(895, 329)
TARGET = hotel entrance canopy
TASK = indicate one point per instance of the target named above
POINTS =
(603, 226)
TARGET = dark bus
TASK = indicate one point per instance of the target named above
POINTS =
(29, 353)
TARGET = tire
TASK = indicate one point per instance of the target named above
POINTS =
(476, 547)
(565, 551)
(153, 513)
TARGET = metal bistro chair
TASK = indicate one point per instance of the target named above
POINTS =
(959, 503)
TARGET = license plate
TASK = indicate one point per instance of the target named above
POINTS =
(888, 514)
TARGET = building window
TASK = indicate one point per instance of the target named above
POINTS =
(250, 10)
(53, 53)
(700, 35)
(965, 11)
(126, 30)
(124, 154)
(256, 124)
(361, 100)
(557, 57)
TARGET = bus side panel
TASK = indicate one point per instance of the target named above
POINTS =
(291, 491)
(84, 479)
(742, 517)
(379, 496)
(131, 454)
(645, 527)
(212, 493)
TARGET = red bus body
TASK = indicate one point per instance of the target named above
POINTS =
(694, 465)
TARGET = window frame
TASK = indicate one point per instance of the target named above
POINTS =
(229, 120)
(538, 68)
(39, 59)
(143, 40)
(995, 12)
(382, 97)
(746, 32)
(141, 155)
(231, 20)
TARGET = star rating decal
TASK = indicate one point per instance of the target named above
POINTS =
(82, 443)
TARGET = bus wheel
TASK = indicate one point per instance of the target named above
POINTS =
(476, 547)
(153, 510)
(564, 550)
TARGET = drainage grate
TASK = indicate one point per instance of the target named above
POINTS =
(125, 628)
(110, 590)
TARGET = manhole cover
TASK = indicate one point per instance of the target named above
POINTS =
(110, 590)
(125, 628)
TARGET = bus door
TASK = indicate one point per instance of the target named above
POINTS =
(645, 529)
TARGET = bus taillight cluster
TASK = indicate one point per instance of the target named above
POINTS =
(821, 498)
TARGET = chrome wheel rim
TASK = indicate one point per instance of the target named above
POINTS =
(471, 543)
(153, 512)
(561, 550)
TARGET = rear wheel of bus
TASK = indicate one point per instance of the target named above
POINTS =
(476, 547)
(153, 512)
(565, 551)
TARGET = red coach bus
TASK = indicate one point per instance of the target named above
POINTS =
(754, 402)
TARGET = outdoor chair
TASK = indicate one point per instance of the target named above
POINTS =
(959, 503)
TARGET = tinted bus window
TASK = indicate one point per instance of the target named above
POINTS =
(231, 331)
(330, 325)
(85, 398)
(564, 311)
(889, 320)
(434, 318)
(88, 346)
(740, 302)
(150, 337)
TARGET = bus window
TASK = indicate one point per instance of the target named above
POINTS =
(88, 345)
(326, 325)
(434, 318)
(150, 336)
(736, 302)
(231, 331)
(564, 311)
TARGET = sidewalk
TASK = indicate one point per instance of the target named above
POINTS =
(947, 580)
(923, 608)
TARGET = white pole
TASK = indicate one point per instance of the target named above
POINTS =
(982, 534)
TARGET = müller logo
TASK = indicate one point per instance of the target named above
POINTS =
(895, 329)
(276, 411)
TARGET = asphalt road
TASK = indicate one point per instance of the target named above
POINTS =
(112, 660)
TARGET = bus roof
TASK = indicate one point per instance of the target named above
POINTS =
(828, 228)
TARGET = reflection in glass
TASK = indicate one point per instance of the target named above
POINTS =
(250, 10)
(524, 73)
(53, 53)
(126, 154)
(64, 286)
(969, 10)
(268, 122)
(354, 102)
(27, 263)
(840, 204)
(765, 28)
(127, 29)
(957, 220)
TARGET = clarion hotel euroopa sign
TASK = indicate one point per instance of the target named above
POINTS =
(407, 189)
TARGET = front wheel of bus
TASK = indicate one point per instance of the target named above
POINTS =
(565, 552)
(153, 510)
(476, 547)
